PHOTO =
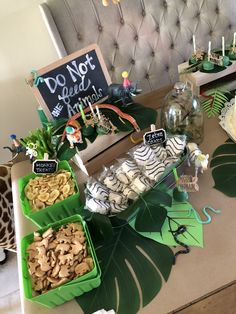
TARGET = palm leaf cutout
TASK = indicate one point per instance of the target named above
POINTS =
(178, 214)
(213, 101)
(132, 267)
(223, 166)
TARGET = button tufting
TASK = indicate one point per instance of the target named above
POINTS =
(143, 13)
(210, 32)
(158, 28)
(172, 46)
(116, 45)
(122, 21)
(217, 10)
(153, 54)
(178, 23)
(230, 26)
(100, 28)
(198, 14)
(147, 76)
(112, 68)
(132, 61)
(79, 37)
(136, 38)
(165, 5)
(167, 68)
(185, 1)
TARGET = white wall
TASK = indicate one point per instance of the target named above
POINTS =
(24, 45)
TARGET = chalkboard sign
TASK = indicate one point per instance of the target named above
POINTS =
(154, 137)
(79, 77)
(45, 166)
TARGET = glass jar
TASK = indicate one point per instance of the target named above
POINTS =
(182, 113)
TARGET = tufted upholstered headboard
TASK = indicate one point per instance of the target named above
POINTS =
(149, 38)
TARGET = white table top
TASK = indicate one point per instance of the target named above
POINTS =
(195, 274)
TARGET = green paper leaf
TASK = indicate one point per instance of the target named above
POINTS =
(156, 196)
(130, 266)
(178, 214)
(223, 166)
(150, 218)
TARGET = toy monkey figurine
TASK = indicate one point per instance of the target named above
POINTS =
(73, 133)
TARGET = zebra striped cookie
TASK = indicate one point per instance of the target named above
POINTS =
(97, 206)
(112, 183)
(122, 176)
(117, 208)
(140, 184)
(130, 168)
(160, 152)
(143, 154)
(116, 197)
(98, 190)
(130, 194)
(175, 146)
(154, 169)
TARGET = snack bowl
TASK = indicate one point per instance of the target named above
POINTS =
(51, 213)
(71, 289)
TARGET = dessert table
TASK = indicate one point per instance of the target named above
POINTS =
(195, 275)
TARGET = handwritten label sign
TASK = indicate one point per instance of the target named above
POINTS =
(44, 166)
(154, 137)
(79, 77)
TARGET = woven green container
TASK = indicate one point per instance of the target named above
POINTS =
(68, 207)
(71, 289)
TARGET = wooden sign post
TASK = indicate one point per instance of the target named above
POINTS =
(81, 77)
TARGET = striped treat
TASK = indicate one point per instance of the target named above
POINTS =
(175, 146)
(140, 184)
(143, 154)
(112, 183)
(170, 160)
(160, 152)
(130, 194)
(116, 198)
(98, 190)
(122, 176)
(97, 206)
(116, 208)
(130, 168)
(154, 169)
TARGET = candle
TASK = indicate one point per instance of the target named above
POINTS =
(223, 46)
(82, 113)
(98, 113)
(91, 109)
(209, 50)
(194, 44)
(234, 42)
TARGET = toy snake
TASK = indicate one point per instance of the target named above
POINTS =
(181, 229)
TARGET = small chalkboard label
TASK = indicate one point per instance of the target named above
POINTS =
(154, 137)
(81, 77)
(44, 166)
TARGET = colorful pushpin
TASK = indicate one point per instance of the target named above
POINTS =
(126, 82)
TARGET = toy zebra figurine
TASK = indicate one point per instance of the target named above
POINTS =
(197, 158)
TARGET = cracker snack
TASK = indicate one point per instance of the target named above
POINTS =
(57, 257)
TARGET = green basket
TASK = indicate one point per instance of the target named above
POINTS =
(55, 212)
(72, 288)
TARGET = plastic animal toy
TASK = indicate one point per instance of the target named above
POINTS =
(197, 158)
(73, 133)
(125, 91)
(16, 146)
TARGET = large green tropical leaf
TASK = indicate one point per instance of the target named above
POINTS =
(151, 214)
(178, 214)
(132, 266)
(223, 166)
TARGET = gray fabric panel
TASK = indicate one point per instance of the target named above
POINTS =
(148, 38)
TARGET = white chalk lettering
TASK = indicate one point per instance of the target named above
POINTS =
(88, 61)
(52, 83)
(80, 70)
(57, 110)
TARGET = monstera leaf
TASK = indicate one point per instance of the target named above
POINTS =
(132, 266)
(223, 166)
